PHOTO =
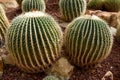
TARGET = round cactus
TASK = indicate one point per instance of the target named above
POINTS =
(112, 5)
(35, 41)
(33, 5)
(4, 23)
(96, 4)
(71, 9)
(51, 78)
(88, 40)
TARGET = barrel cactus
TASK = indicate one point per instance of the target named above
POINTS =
(88, 41)
(35, 40)
(96, 4)
(33, 5)
(112, 5)
(51, 78)
(4, 24)
(71, 9)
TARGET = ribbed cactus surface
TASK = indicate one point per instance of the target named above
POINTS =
(4, 23)
(96, 4)
(107, 5)
(87, 40)
(33, 5)
(35, 40)
(71, 9)
(112, 5)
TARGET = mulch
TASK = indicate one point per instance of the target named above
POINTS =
(112, 63)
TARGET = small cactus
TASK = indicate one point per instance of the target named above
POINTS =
(4, 24)
(51, 78)
(96, 4)
(35, 41)
(71, 9)
(33, 5)
(112, 5)
(88, 41)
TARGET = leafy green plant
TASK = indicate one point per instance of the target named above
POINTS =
(88, 40)
(35, 41)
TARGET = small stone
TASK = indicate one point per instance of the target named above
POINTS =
(62, 68)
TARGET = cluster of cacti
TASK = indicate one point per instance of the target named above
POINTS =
(108, 5)
(51, 78)
(88, 40)
(4, 23)
(35, 41)
(96, 4)
(33, 5)
(71, 9)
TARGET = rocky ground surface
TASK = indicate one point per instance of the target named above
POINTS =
(109, 69)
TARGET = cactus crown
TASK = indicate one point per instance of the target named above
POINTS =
(71, 9)
(87, 40)
(4, 23)
(33, 5)
(35, 41)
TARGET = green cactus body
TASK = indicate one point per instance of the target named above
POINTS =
(35, 41)
(4, 23)
(96, 4)
(88, 41)
(33, 5)
(118, 33)
(71, 9)
(19, 2)
(112, 5)
(51, 78)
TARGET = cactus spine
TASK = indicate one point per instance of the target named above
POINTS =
(4, 23)
(33, 5)
(35, 41)
(71, 9)
(87, 40)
